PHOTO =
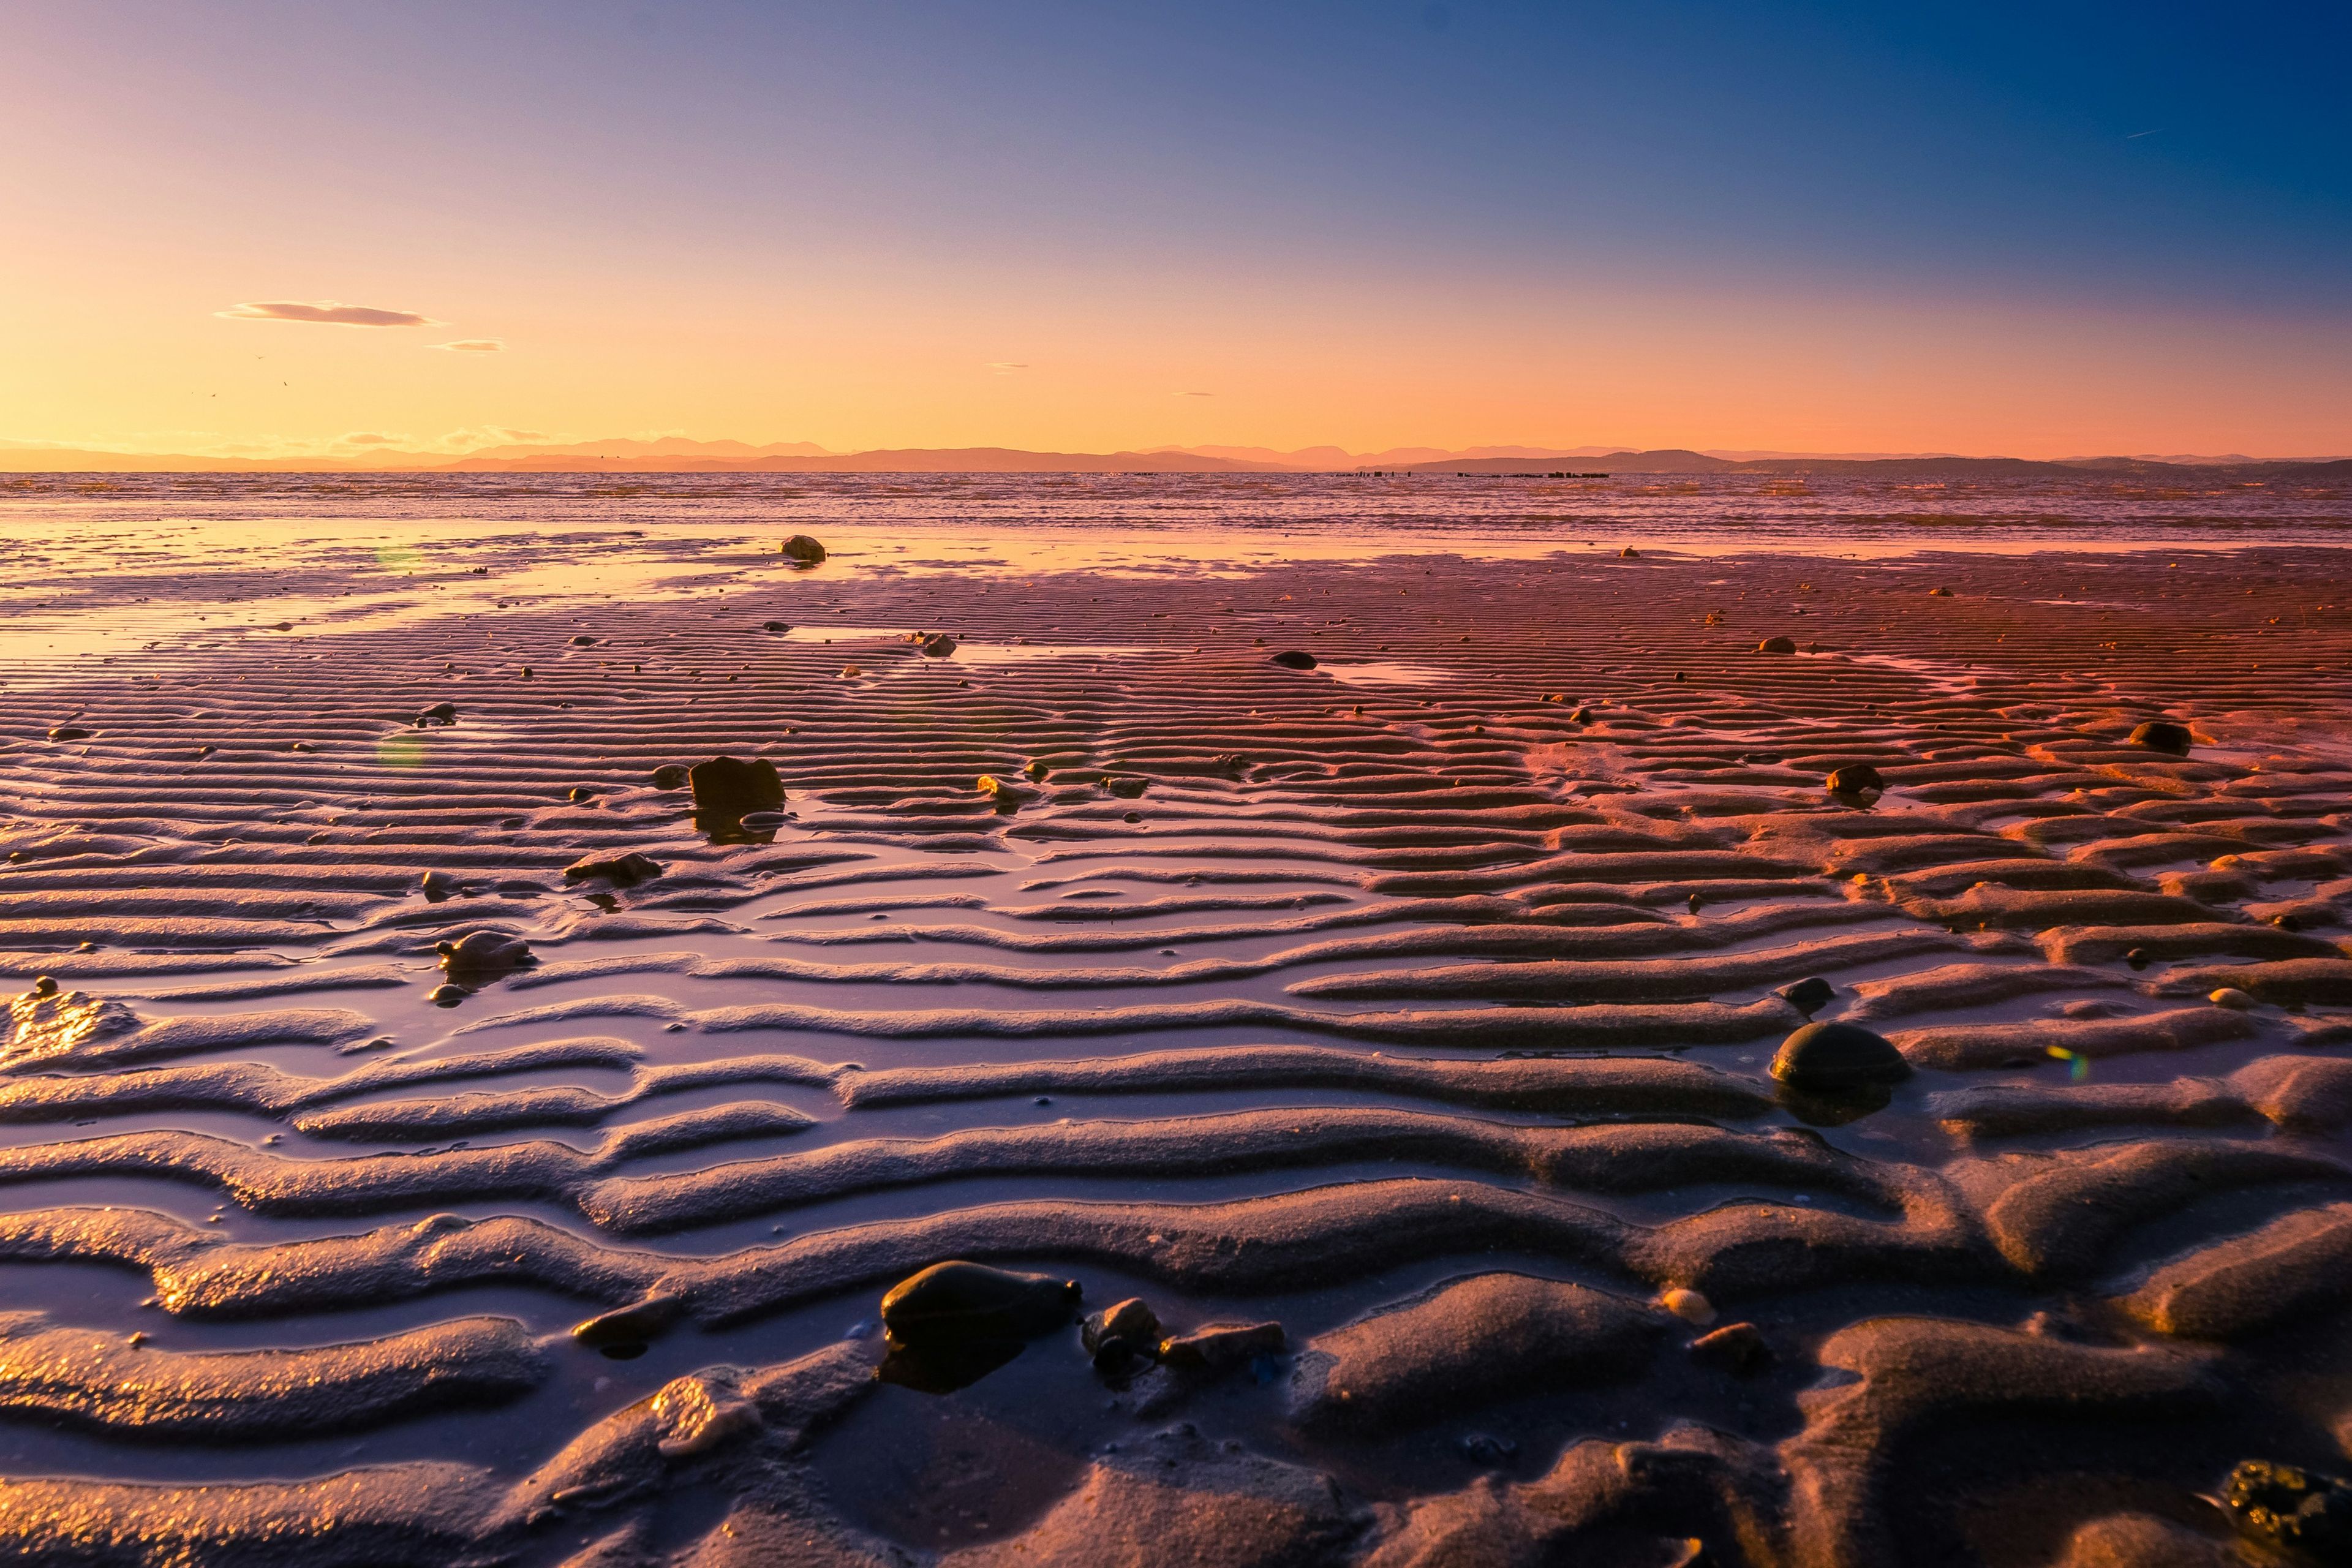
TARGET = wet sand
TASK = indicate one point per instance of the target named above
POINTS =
(1423, 1003)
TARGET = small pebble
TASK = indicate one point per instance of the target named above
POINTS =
(2230, 996)
(1689, 1306)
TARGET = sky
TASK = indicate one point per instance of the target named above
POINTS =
(2038, 231)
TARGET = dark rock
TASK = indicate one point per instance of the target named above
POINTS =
(1131, 816)
(1776, 644)
(956, 1301)
(726, 787)
(1035, 770)
(579, 795)
(447, 994)
(799, 547)
(584, 641)
(44, 986)
(1003, 796)
(2137, 958)
(1856, 783)
(1629, 554)
(1292, 659)
(1127, 789)
(625, 870)
(1734, 1347)
(1118, 1336)
(1939, 593)
(775, 625)
(1220, 1346)
(670, 776)
(1581, 716)
(2160, 735)
(1836, 1057)
(938, 645)
(484, 956)
(1808, 995)
(2301, 1511)
(71, 732)
(436, 885)
(439, 713)
(632, 1325)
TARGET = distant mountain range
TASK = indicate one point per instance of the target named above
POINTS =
(678, 454)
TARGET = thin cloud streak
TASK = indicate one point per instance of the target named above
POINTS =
(474, 346)
(325, 312)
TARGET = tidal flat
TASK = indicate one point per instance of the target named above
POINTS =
(1406, 1026)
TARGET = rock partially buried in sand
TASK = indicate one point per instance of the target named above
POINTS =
(2160, 735)
(957, 1301)
(775, 625)
(624, 1333)
(1837, 1059)
(442, 713)
(1293, 658)
(2232, 998)
(625, 870)
(1856, 783)
(1629, 554)
(437, 886)
(670, 776)
(801, 548)
(1939, 593)
(71, 732)
(1735, 1347)
(2283, 1506)
(1808, 995)
(726, 787)
(484, 956)
(1220, 1347)
(1006, 799)
(938, 645)
(447, 994)
(1776, 644)
(1126, 788)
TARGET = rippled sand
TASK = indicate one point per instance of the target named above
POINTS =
(1422, 1004)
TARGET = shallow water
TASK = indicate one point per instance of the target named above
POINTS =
(1228, 1041)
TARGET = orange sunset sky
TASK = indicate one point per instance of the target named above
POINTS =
(1097, 230)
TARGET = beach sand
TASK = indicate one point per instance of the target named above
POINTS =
(1423, 1003)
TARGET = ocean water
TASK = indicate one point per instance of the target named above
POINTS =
(1876, 511)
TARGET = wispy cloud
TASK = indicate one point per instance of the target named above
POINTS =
(1005, 367)
(370, 438)
(326, 312)
(2137, 135)
(1195, 394)
(473, 345)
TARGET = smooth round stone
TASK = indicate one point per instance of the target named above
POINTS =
(1809, 996)
(1293, 658)
(799, 547)
(1777, 645)
(1836, 1057)
(964, 1301)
